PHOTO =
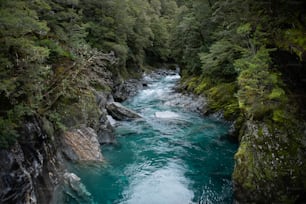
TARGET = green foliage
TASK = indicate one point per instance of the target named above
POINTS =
(56, 51)
(244, 29)
(218, 62)
(8, 133)
(260, 89)
(222, 98)
(225, 53)
(189, 36)
(293, 40)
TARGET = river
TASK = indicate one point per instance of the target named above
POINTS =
(170, 156)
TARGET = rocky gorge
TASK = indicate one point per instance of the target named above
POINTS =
(34, 167)
(68, 70)
(34, 170)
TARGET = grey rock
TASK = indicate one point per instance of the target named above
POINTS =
(189, 102)
(25, 167)
(105, 130)
(119, 112)
(75, 190)
(126, 89)
(82, 145)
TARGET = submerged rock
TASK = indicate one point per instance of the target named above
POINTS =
(75, 189)
(119, 112)
(82, 145)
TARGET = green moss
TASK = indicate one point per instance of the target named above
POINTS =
(267, 160)
(203, 85)
(244, 167)
(293, 40)
(8, 133)
(279, 116)
(276, 93)
(100, 87)
(222, 97)
(260, 131)
(192, 83)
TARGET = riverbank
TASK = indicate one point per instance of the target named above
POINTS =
(169, 155)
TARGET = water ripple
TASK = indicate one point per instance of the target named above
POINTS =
(164, 160)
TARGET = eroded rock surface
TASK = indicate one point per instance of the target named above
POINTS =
(127, 89)
(82, 145)
(119, 112)
(28, 169)
(270, 165)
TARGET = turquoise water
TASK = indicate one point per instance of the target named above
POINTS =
(170, 156)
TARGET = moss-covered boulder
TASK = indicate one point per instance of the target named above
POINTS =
(270, 163)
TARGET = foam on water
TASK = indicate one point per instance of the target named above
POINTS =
(166, 114)
(170, 156)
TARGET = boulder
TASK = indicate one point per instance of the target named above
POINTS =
(82, 145)
(74, 190)
(270, 163)
(126, 89)
(106, 131)
(119, 112)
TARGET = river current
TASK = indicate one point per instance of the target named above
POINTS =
(170, 156)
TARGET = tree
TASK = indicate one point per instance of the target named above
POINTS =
(22, 71)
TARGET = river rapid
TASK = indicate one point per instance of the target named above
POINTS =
(170, 156)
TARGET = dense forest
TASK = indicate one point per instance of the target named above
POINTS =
(44, 43)
(246, 57)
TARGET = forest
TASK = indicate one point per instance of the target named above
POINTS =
(248, 58)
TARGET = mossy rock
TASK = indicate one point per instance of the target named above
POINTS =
(222, 97)
(270, 163)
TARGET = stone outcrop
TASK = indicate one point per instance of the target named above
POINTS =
(189, 102)
(119, 112)
(105, 130)
(82, 145)
(270, 163)
(29, 169)
(127, 89)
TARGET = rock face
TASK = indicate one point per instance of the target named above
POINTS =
(270, 163)
(28, 170)
(189, 102)
(105, 130)
(119, 112)
(126, 89)
(82, 145)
